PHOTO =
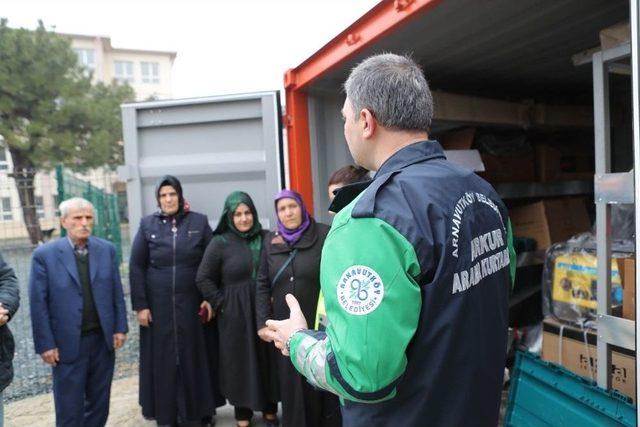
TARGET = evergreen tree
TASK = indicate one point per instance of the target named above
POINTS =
(51, 114)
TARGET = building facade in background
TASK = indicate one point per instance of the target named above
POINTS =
(148, 72)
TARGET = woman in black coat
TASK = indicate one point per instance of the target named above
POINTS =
(175, 386)
(227, 279)
(290, 264)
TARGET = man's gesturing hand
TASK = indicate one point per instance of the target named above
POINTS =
(265, 334)
(281, 330)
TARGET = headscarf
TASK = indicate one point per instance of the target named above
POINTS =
(292, 236)
(175, 183)
(253, 236)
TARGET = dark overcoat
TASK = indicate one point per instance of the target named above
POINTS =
(174, 371)
(300, 278)
(302, 405)
(247, 364)
(10, 299)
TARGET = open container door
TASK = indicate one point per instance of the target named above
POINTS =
(635, 95)
(316, 144)
(214, 145)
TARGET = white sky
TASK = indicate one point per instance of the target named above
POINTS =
(224, 46)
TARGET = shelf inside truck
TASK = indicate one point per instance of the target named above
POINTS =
(531, 190)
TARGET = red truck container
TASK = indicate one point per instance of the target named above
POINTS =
(525, 73)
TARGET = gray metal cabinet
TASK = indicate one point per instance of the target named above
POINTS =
(214, 145)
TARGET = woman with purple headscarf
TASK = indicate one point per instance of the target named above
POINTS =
(290, 264)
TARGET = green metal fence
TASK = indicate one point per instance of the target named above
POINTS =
(107, 216)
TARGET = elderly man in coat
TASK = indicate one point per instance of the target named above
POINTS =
(78, 316)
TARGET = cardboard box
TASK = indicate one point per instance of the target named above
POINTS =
(627, 267)
(581, 358)
(550, 221)
(459, 139)
(571, 163)
(509, 168)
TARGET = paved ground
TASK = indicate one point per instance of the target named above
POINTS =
(38, 411)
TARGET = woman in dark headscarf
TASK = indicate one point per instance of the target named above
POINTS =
(227, 279)
(175, 386)
(290, 264)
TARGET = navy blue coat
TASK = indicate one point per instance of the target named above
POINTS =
(55, 296)
(163, 269)
(457, 355)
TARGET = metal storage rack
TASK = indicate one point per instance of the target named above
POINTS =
(613, 188)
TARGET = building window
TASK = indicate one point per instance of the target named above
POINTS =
(5, 211)
(86, 58)
(39, 207)
(124, 71)
(4, 164)
(150, 72)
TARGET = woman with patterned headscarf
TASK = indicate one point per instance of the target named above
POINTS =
(227, 279)
(291, 265)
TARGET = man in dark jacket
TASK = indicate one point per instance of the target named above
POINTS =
(415, 271)
(9, 302)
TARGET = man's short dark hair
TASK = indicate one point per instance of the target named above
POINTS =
(394, 89)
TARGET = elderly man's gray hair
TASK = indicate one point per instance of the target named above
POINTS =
(394, 89)
(74, 203)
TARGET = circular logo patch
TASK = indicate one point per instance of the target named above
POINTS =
(360, 290)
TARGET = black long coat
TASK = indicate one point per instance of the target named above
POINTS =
(302, 405)
(174, 370)
(10, 299)
(247, 364)
(300, 278)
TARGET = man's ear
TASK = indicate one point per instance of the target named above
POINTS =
(369, 123)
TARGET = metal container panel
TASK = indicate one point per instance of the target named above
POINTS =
(329, 149)
(214, 145)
